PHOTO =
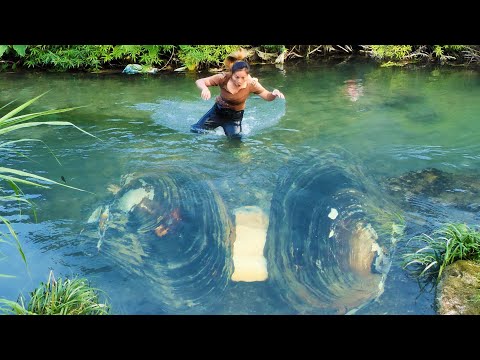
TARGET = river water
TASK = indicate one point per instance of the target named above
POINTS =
(369, 124)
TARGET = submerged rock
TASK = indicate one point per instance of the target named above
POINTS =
(460, 191)
(457, 292)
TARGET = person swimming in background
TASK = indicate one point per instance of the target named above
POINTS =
(235, 87)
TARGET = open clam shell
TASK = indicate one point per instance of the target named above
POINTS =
(171, 228)
(329, 239)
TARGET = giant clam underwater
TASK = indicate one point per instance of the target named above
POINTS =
(170, 228)
(331, 235)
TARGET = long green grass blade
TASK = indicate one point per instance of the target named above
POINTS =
(51, 123)
(26, 174)
(20, 195)
(4, 106)
(14, 308)
(21, 107)
(23, 118)
(14, 198)
(10, 178)
(8, 143)
(14, 234)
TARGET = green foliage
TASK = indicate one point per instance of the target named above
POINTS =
(62, 297)
(391, 64)
(3, 49)
(95, 57)
(395, 54)
(447, 52)
(391, 52)
(17, 49)
(98, 57)
(390, 224)
(10, 54)
(64, 57)
(151, 55)
(59, 297)
(446, 245)
(274, 48)
(9, 122)
(201, 56)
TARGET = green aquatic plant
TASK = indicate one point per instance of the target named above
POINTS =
(391, 224)
(451, 242)
(9, 122)
(59, 297)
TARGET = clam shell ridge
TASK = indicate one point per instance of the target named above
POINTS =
(330, 236)
(172, 229)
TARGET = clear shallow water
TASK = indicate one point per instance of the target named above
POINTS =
(387, 121)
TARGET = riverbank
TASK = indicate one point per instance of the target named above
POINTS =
(102, 58)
